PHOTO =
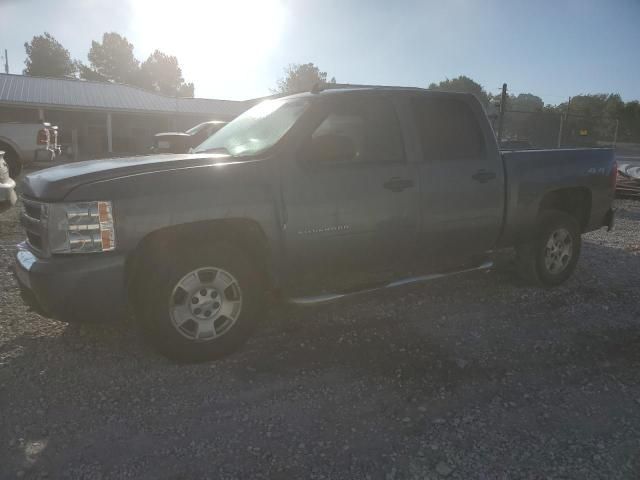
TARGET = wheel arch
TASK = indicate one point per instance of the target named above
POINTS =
(244, 234)
(575, 201)
(7, 142)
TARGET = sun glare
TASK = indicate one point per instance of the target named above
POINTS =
(209, 37)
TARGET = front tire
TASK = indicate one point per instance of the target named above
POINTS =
(551, 256)
(202, 305)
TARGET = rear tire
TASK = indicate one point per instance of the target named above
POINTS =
(13, 162)
(551, 256)
(201, 305)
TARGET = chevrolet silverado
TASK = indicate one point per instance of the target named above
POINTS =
(308, 198)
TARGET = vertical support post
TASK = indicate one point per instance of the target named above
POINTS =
(74, 143)
(109, 134)
(560, 130)
(41, 114)
(503, 101)
(615, 133)
(6, 61)
(563, 120)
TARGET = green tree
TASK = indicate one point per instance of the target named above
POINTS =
(46, 57)
(87, 73)
(113, 60)
(162, 73)
(525, 102)
(462, 84)
(301, 78)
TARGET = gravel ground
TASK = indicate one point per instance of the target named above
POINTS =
(468, 377)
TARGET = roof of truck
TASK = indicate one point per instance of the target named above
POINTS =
(339, 89)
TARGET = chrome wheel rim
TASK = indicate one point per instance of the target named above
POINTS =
(558, 251)
(205, 304)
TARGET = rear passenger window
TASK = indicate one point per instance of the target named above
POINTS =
(448, 129)
(371, 125)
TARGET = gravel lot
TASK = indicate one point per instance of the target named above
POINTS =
(468, 377)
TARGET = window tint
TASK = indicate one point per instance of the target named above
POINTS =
(448, 129)
(344, 124)
(370, 123)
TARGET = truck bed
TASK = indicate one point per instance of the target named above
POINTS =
(533, 175)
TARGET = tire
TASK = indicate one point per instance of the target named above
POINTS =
(551, 257)
(217, 273)
(13, 162)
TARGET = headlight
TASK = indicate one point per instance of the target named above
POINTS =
(81, 227)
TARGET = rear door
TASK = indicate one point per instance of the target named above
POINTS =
(351, 221)
(461, 177)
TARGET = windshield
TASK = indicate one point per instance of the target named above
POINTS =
(197, 128)
(257, 129)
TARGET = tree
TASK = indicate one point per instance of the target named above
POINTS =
(525, 102)
(87, 73)
(462, 84)
(113, 60)
(301, 78)
(162, 73)
(46, 57)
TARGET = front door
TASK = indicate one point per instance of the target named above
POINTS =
(351, 217)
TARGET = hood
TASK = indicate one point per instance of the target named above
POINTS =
(53, 184)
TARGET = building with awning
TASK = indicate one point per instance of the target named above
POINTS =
(98, 119)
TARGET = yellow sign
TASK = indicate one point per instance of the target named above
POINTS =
(584, 132)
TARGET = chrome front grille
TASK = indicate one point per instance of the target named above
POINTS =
(32, 221)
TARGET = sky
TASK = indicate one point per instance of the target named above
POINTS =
(237, 49)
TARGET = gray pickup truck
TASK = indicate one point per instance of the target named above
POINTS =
(307, 198)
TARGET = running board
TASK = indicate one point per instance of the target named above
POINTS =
(332, 297)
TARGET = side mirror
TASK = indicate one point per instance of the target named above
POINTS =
(331, 148)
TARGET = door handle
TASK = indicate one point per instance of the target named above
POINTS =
(483, 176)
(397, 184)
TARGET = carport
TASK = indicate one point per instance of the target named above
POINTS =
(97, 119)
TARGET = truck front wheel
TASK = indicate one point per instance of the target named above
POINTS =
(203, 304)
(551, 256)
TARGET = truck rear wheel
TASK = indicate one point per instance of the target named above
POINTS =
(203, 304)
(551, 257)
(13, 162)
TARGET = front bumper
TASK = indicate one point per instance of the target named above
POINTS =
(74, 288)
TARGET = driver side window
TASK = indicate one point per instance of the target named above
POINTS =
(359, 130)
(336, 129)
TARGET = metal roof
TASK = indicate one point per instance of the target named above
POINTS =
(42, 92)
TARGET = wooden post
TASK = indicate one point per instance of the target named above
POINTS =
(503, 101)
(74, 143)
(109, 134)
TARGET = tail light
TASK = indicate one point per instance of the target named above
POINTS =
(43, 136)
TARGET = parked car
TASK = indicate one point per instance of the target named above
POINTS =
(24, 143)
(181, 142)
(7, 186)
(311, 198)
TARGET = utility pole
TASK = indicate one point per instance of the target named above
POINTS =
(6, 61)
(503, 101)
(615, 133)
(563, 118)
